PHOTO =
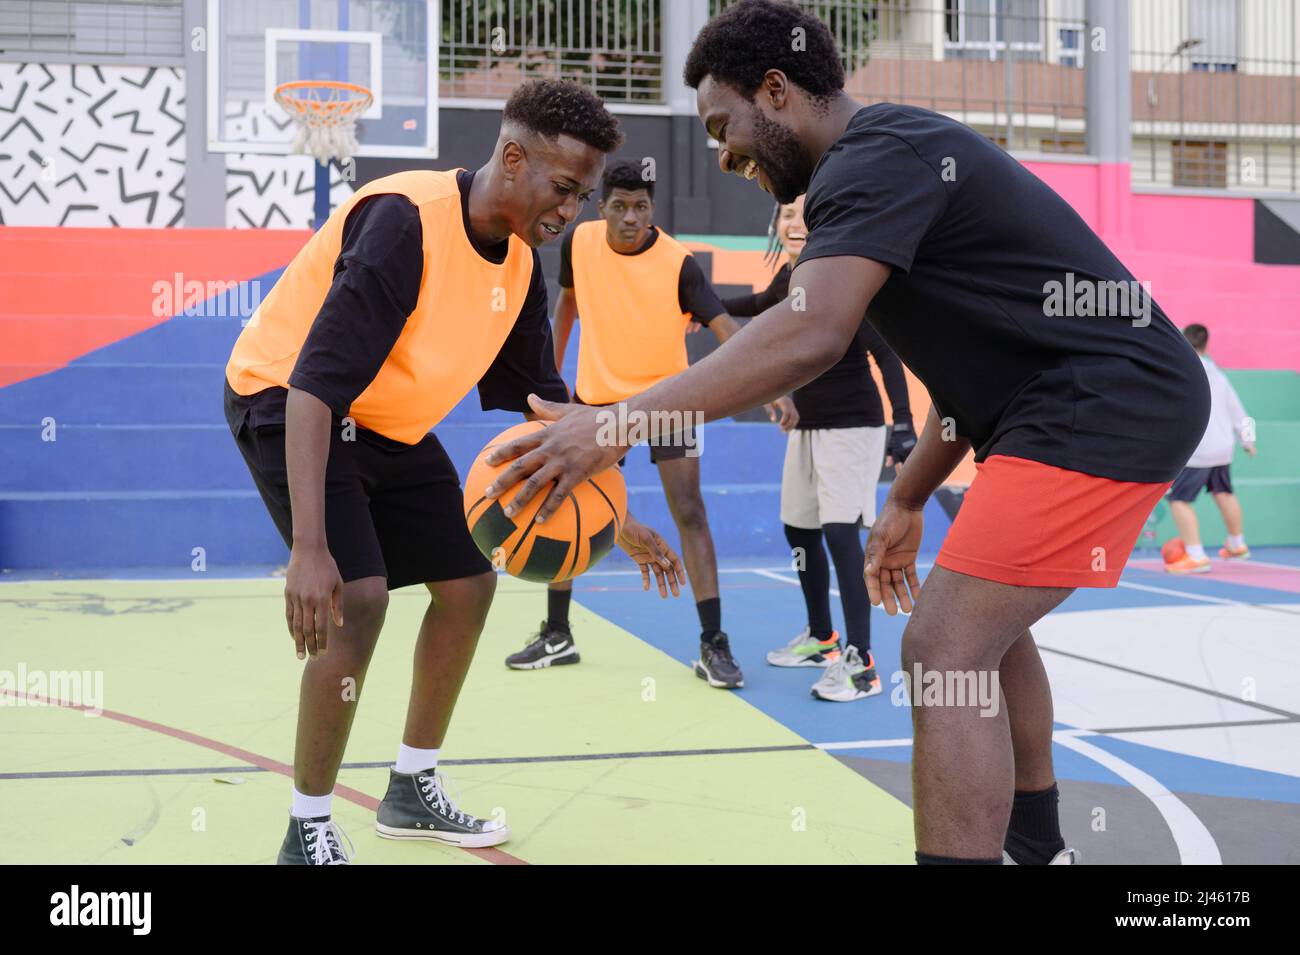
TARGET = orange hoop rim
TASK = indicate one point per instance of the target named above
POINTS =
(310, 109)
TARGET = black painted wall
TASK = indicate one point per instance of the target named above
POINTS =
(691, 193)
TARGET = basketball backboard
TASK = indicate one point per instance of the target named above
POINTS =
(388, 46)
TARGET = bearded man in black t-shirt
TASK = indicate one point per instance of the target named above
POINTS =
(1041, 351)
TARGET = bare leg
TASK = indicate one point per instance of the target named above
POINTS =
(1028, 698)
(963, 764)
(331, 686)
(1230, 508)
(681, 481)
(1185, 520)
(443, 652)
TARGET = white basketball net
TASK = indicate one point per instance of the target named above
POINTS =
(326, 115)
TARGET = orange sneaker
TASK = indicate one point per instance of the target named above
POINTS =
(1189, 565)
(1227, 553)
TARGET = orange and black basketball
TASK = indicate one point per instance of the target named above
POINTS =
(572, 540)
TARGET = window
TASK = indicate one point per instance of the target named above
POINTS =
(1069, 46)
(1200, 164)
(979, 29)
(1213, 25)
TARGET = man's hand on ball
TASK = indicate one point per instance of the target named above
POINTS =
(562, 455)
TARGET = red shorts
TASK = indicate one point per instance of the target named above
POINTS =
(1036, 525)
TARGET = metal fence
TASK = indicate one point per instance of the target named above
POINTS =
(614, 46)
(1216, 85)
(92, 31)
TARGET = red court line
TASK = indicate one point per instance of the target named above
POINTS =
(1270, 577)
(493, 855)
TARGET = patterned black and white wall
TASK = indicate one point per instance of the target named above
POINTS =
(88, 145)
(91, 145)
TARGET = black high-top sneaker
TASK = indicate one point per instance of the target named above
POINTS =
(717, 665)
(547, 648)
(416, 806)
(315, 841)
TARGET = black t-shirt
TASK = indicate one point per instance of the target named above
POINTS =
(974, 239)
(845, 395)
(377, 279)
(694, 293)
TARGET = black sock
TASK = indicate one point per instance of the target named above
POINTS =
(1034, 833)
(557, 609)
(846, 551)
(814, 578)
(923, 859)
(710, 612)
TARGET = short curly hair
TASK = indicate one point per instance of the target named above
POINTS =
(625, 174)
(553, 108)
(742, 43)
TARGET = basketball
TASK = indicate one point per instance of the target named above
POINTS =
(1174, 550)
(572, 540)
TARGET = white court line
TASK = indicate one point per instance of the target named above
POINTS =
(1195, 844)
(1203, 598)
(866, 744)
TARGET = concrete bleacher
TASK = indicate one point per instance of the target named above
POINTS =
(141, 470)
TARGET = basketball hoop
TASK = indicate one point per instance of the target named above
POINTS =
(326, 114)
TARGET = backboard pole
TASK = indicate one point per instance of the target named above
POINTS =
(322, 194)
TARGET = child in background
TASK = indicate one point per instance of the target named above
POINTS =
(1208, 468)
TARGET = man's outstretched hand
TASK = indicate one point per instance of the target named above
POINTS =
(561, 455)
(644, 545)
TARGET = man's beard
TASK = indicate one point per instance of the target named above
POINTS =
(780, 155)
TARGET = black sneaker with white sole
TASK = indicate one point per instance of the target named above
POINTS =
(315, 841)
(717, 665)
(417, 806)
(546, 648)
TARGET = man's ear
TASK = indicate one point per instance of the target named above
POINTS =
(513, 159)
(776, 87)
(600, 208)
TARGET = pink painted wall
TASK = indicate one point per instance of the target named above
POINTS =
(1198, 254)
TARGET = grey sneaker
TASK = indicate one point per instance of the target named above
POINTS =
(316, 841)
(805, 650)
(849, 678)
(417, 806)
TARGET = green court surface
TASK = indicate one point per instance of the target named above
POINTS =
(200, 688)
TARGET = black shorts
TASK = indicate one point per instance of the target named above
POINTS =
(1189, 482)
(391, 510)
(663, 448)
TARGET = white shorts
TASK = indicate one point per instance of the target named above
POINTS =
(830, 476)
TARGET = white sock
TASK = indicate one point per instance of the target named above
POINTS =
(311, 807)
(1196, 551)
(411, 760)
(1236, 541)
